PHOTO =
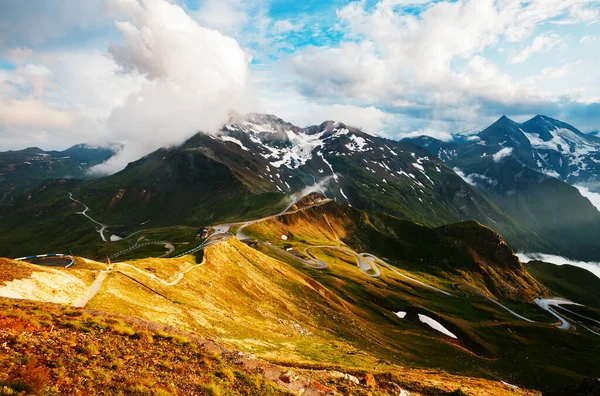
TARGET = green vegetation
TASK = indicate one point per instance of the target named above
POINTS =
(50, 350)
(259, 301)
(152, 250)
(23, 169)
(573, 283)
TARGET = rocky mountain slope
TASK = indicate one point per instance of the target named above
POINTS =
(246, 171)
(544, 144)
(20, 170)
(524, 169)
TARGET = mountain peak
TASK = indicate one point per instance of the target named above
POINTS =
(258, 122)
(506, 133)
(544, 127)
(504, 120)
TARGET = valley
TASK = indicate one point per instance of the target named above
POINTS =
(323, 306)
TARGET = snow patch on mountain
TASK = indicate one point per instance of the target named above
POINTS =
(550, 172)
(357, 143)
(335, 177)
(294, 155)
(234, 140)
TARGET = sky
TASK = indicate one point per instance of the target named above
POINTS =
(151, 73)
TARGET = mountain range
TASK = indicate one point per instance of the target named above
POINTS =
(318, 260)
(529, 170)
(251, 165)
(544, 144)
(23, 169)
(255, 161)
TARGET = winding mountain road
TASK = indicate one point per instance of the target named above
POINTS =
(366, 262)
(102, 226)
(367, 267)
(547, 304)
(240, 234)
(99, 281)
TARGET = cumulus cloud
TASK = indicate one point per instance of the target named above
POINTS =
(192, 78)
(444, 136)
(503, 153)
(226, 16)
(167, 79)
(542, 43)
(593, 267)
(419, 64)
(351, 69)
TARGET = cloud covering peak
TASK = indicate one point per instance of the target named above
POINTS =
(189, 76)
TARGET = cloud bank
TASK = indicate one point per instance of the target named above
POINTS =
(593, 267)
(191, 77)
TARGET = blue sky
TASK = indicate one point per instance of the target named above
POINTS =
(391, 67)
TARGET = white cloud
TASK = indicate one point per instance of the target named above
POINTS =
(579, 13)
(352, 69)
(369, 119)
(592, 196)
(227, 16)
(33, 113)
(168, 79)
(444, 136)
(593, 267)
(194, 77)
(475, 179)
(542, 43)
(548, 73)
(426, 63)
(503, 153)
(285, 26)
(588, 38)
(529, 15)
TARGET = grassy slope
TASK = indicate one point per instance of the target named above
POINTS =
(302, 325)
(47, 221)
(52, 350)
(574, 283)
(489, 330)
(339, 318)
(456, 253)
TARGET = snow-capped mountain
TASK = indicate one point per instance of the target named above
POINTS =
(526, 170)
(287, 158)
(255, 161)
(563, 151)
(249, 167)
(544, 144)
(24, 168)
